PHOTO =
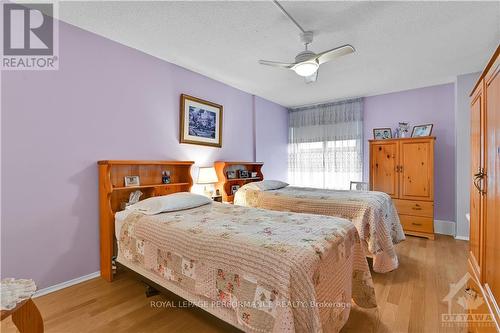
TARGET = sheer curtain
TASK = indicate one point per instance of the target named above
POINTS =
(325, 144)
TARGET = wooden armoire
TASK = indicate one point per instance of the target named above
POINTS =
(404, 169)
(484, 254)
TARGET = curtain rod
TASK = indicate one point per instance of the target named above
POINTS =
(338, 101)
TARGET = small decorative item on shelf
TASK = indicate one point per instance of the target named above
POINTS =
(382, 133)
(234, 188)
(402, 130)
(253, 174)
(132, 199)
(165, 177)
(421, 130)
(217, 196)
(132, 181)
(231, 174)
(243, 174)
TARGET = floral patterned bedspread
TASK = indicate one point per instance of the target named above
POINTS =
(373, 214)
(278, 271)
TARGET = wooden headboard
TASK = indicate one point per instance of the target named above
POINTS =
(113, 192)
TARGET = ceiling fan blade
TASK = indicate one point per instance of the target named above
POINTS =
(276, 64)
(311, 78)
(334, 53)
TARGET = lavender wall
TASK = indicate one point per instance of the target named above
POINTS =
(271, 132)
(434, 105)
(106, 101)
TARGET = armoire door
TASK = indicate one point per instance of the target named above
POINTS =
(491, 263)
(383, 175)
(476, 210)
(416, 167)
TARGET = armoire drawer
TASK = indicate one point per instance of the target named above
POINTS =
(415, 208)
(417, 223)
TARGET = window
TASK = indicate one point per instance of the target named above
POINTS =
(325, 146)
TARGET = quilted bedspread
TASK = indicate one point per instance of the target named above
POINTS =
(373, 214)
(278, 271)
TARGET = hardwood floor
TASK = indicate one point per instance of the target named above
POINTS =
(409, 299)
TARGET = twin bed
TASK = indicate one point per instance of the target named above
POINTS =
(260, 270)
(373, 213)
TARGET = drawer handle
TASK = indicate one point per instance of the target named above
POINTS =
(416, 207)
(417, 224)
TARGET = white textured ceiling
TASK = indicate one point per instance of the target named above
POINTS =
(400, 45)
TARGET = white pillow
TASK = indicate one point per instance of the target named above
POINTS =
(169, 203)
(266, 185)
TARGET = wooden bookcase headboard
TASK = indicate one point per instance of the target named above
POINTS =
(113, 192)
(224, 184)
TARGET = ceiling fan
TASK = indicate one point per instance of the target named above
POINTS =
(307, 62)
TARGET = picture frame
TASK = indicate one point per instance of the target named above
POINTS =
(131, 181)
(422, 130)
(200, 122)
(231, 174)
(244, 174)
(382, 133)
(234, 188)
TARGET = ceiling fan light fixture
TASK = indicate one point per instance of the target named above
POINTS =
(306, 68)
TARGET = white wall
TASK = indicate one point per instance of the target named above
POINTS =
(463, 86)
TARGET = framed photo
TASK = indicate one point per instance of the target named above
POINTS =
(234, 188)
(244, 174)
(382, 133)
(132, 181)
(422, 130)
(231, 174)
(201, 122)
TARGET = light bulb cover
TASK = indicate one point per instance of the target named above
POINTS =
(306, 68)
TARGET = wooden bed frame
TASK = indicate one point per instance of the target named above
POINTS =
(113, 192)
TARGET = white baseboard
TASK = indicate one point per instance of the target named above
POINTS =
(65, 284)
(465, 238)
(445, 227)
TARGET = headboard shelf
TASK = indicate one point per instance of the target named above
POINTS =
(113, 193)
(225, 184)
(123, 188)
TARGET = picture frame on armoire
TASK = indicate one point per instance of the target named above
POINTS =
(382, 133)
(422, 130)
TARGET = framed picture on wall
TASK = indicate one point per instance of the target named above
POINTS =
(200, 122)
(382, 133)
(422, 130)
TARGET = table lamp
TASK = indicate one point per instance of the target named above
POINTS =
(208, 177)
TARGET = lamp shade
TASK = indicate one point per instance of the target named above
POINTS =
(207, 175)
